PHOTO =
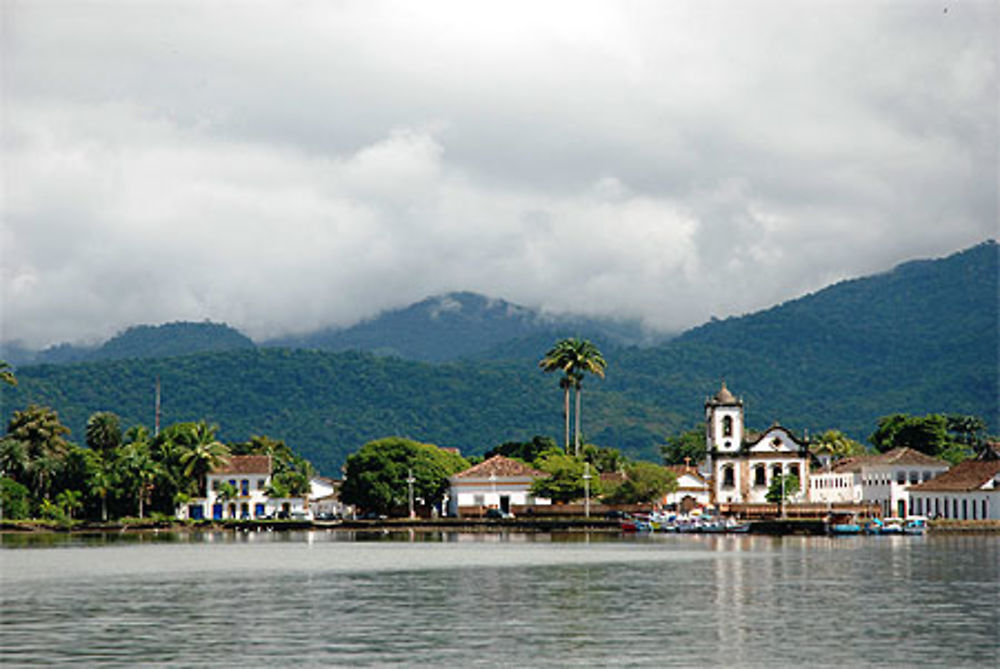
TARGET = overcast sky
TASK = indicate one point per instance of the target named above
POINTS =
(282, 166)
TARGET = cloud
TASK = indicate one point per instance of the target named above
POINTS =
(285, 170)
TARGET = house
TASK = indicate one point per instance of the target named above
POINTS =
(692, 491)
(968, 491)
(742, 466)
(248, 478)
(496, 483)
(324, 498)
(884, 479)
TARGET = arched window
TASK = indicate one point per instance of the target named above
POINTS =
(759, 475)
(728, 476)
(727, 426)
(793, 470)
(775, 471)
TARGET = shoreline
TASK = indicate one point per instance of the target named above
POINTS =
(763, 527)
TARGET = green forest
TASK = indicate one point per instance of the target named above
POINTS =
(919, 339)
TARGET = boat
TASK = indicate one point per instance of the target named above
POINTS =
(843, 524)
(892, 526)
(915, 525)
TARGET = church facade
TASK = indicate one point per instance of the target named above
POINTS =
(742, 466)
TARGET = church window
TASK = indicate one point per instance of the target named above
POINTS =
(727, 426)
(728, 477)
(759, 476)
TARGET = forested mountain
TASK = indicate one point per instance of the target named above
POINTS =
(462, 325)
(141, 341)
(921, 338)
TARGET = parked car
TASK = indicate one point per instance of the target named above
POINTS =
(615, 514)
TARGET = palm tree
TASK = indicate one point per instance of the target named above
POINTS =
(69, 501)
(99, 483)
(576, 358)
(202, 453)
(6, 375)
(104, 432)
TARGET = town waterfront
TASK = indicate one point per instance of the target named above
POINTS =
(453, 599)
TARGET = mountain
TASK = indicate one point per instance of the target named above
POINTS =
(920, 338)
(140, 341)
(463, 325)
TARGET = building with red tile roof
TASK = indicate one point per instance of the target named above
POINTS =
(497, 483)
(968, 491)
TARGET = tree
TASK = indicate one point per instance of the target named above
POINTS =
(564, 482)
(99, 485)
(604, 458)
(14, 499)
(39, 429)
(688, 447)
(836, 445)
(575, 358)
(104, 432)
(927, 434)
(201, 452)
(525, 451)
(69, 501)
(137, 472)
(375, 476)
(7, 374)
(782, 488)
(645, 482)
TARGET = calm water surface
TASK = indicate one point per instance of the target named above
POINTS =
(338, 598)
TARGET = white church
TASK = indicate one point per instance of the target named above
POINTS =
(742, 468)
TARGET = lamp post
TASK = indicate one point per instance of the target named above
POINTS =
(586, 489)
(782, 493)
(409, 484)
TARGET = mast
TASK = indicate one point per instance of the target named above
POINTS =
(156, 422)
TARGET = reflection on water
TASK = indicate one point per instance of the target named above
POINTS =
(526, 599)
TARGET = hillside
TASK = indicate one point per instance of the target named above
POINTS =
(920, 338)
(461, 325)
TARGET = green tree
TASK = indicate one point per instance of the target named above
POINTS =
(525, 451)
(14, 458)
(201, 452)
(104, 432)
(375, 476)
(70, 501)
(7, 374)
(782, 488)
(836, 445)
(645, 482)
(604, 458)
(575, 358)
(137, 471)
(688, 447)
(15, 500)
(564, 482)
(927, 434)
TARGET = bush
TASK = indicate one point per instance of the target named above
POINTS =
(14, 499)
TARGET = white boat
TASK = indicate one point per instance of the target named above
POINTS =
(915, 525)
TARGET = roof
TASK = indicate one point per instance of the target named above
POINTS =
(902, 455)
(724, 397)
(499, 466)
(245, 464)
(968, 475)
(686, 470)
(754, 438)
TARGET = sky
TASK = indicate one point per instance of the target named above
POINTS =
(286, 166)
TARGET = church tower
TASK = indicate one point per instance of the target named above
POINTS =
(724, 422)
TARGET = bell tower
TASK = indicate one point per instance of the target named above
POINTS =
(723, 422)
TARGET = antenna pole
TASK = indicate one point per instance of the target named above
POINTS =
(156, 424)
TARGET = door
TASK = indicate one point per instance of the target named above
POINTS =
(505, 503)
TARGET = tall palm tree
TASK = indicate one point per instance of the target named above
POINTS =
(576, 358)
(104, 432)
(202, 454)
(6, 375)
(560, 358)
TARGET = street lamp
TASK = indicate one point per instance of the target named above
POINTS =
(586, 489)
(409, 484)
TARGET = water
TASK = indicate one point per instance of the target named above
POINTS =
(338, 598)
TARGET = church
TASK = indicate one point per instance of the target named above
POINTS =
(741, 466)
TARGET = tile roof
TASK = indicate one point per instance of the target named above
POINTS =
(681, 470)
(501, 467)
(245, 464)
(897, 456)
(968, 475)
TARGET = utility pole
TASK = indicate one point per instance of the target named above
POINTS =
(409, 484)
(156, 420)
(586, 489)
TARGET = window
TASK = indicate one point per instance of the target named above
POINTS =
(793, 470)
(260, 484)
(215, 484)
(775, 471)
(728, 477)
(965, 509)
(727, 426)
(245, 488)
(914, 477)
(901, 477)
(985, 513)
(479, 500)
(918, 506)
(928, 476)
(759, 475)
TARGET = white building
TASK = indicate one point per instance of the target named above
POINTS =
(497, 483)
(742, 467)
(968, 491)
(884, 479)
(249, 476)
(324, 499)
(692, 491)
